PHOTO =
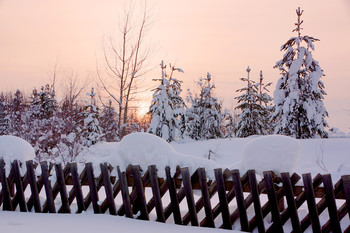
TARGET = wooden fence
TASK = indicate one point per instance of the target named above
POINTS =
(318, 193)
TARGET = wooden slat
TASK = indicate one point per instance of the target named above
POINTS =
(206, 198)
(19, 186)
(311, 203)
(163, 188)
(332, 207)
(39, 185)
(33, 186)
(189, 196)
(292, 208)
(247, 202)
(236, 178)
(301, 198)
(92, 186)
(125, 194)
(7, 205)
(55, 190)
(346, 188)
(225, 213)
(77, 188)
(50, 204)
(98, 183)
(254, 191)
(152, 170)
(174, 201)
(141, 199)
(108, 189)
(271, 194)
(62, 189)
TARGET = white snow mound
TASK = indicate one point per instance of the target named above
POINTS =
(15, 148)
(276, 153)
(146, 149)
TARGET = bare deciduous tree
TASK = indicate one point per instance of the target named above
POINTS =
(125, 64)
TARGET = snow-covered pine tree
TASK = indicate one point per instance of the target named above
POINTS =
(167, 107)
(108, 123)
(91, 132)
(299, 109)
(203, 118)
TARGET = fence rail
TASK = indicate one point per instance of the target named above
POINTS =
(241, 202)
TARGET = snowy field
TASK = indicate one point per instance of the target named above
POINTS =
(277, 153)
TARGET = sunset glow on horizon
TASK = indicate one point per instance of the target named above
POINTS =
(198, 36)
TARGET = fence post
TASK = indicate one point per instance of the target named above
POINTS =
(332, 207)
(77, 187)
(271, 193)
(125, 193)
(206, 198)
(257, 205)
(174, 201)
(311, 203)
(225, 213)
(19, 187)
(7, 204)
(108, 189)
(93, 189)
(189, 196)
(141, 199)
(33, 186)
(62, 188)
(152, 170)
(237, 185)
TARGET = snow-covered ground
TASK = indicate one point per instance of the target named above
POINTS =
(16, 222)
(278, 153)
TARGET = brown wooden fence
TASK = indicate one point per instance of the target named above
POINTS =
(242, 202)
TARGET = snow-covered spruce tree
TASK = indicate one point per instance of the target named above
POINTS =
(167, 107)
(203, 118)
(299, 109)
(108, 123)
(91, 131)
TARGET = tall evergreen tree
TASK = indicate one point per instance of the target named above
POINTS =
(299, 109)
(203, 118)
(167, 107)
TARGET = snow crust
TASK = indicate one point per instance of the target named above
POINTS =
(277, 153)
(15, 148)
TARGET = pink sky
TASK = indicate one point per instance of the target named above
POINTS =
(199, 36)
